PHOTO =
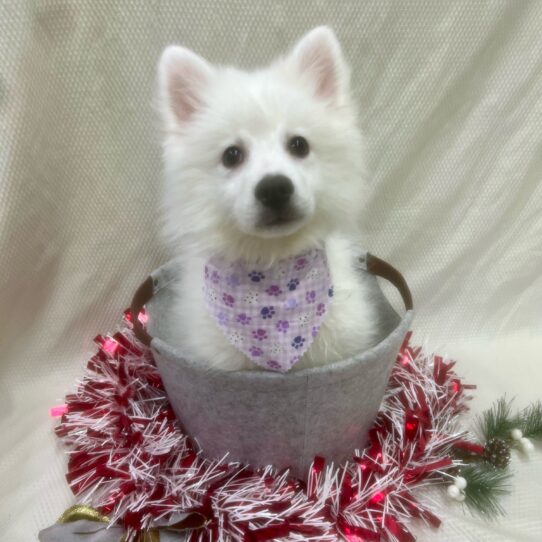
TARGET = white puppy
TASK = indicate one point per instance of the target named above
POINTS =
(261, 167)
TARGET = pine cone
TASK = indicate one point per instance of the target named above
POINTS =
(497, 452)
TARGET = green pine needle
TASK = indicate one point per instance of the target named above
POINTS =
(485, 485)
(496, 422)
(530, 421)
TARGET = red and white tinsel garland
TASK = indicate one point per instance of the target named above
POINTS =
(129, 458)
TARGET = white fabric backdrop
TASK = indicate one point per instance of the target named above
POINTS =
(450, 95)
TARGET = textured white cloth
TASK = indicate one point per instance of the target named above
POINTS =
(450, 95)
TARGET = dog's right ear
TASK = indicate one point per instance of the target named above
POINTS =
(182, 78)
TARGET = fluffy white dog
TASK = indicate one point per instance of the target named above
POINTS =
(260, 168)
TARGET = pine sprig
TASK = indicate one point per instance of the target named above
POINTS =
(530, 421)
(486, 474)
(497, 421)
(485, 485)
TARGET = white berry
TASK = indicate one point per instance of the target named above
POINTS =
(460, 497)
(453, 491)
(526, 445)
(516, 434)
(460, 482)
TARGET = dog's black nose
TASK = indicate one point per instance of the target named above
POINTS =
(274, 191)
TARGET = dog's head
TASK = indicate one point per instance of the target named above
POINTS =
(265, 163)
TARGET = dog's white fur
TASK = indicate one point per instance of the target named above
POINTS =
(210, 209)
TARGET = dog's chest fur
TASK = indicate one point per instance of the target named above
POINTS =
(349, 327)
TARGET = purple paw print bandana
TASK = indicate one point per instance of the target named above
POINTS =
(271, 315)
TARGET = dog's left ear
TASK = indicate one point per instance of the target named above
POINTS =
(317, 56)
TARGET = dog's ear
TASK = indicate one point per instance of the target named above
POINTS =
(317, 56)
(182, 78)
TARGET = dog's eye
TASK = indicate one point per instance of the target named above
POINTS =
(298, 146)
(232, 156)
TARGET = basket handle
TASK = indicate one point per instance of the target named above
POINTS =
(374, 265)
(383, 269)
(142, 295)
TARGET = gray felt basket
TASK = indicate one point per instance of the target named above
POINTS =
(266, 418)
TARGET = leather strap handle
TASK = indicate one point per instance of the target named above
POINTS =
(374, 265)
(142, 295)
(383, 269)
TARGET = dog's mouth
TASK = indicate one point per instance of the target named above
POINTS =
(279, 221)
(278, 224)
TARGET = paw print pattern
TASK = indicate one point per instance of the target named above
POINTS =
(293, 284)
(274, 290)
(259, 334)
(228, 299)
(215, 277)
(252, 298)
(243, 319)
(304, 319)
(256, 276)
(283, 326)
(255, 351)
(267, 312)
(270, 314)
(233, 280)
(236, 338)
